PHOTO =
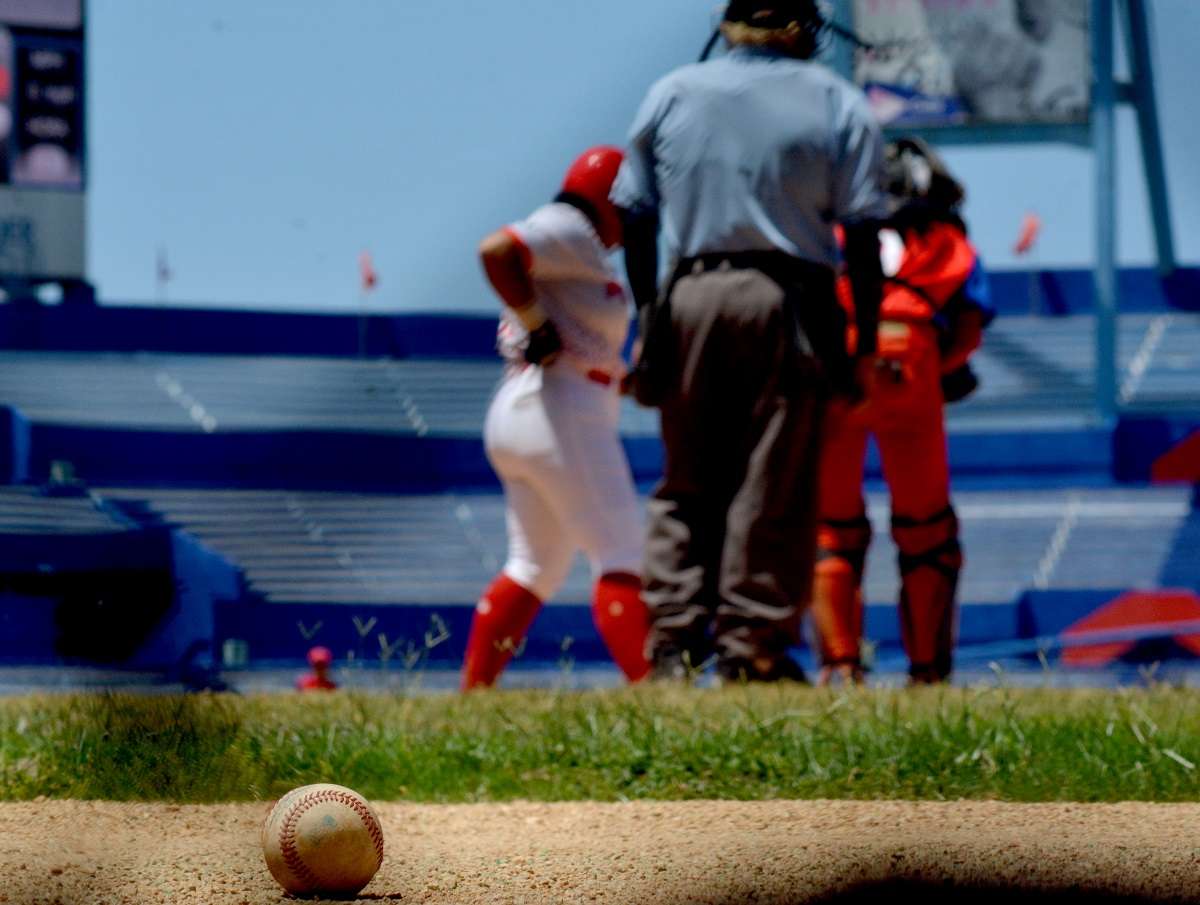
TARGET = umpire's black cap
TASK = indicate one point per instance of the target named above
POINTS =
(774, 13)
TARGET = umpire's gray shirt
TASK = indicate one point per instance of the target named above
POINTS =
(753, 151)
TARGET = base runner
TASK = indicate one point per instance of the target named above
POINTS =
(935, 306)
(551, 430)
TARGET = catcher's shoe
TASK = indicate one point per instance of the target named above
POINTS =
(928, 674)
(845, 673)
(740, 670)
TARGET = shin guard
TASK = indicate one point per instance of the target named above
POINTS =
(837, 607)
(930, 562)
(623, 622)
(502, 619)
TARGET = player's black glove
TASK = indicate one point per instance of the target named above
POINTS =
(544, 345)
(958, 385)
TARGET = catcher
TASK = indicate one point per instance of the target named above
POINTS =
(934, 310)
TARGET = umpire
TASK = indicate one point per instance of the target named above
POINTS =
(746, 163)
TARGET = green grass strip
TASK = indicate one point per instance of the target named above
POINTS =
(656, 743)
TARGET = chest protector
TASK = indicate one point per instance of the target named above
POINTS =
(936, 263)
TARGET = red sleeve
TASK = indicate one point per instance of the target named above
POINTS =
(522, 247)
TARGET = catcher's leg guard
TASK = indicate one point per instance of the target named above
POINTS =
(930, 561)
(623, 622)
(837, 607)
(502, 619)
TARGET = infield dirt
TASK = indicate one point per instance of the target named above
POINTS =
(645, 852)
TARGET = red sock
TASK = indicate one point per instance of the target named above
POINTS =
(623, 622)
(502, 619)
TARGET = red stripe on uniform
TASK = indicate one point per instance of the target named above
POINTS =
(601, 377)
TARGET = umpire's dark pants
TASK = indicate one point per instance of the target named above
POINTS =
(732, 525)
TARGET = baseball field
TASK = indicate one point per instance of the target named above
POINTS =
(655, 794)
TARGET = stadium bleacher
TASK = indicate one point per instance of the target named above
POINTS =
(27, 510)
(343, 548)
(334, 493)
(410, 424)
(313, 563)
(1028, 366)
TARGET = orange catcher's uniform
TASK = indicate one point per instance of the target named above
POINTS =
(934, 308)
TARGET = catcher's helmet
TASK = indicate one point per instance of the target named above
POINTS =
(913, 171)
(590, 180)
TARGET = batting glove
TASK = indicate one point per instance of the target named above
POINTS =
(544, 345)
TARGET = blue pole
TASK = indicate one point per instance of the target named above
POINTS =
(1145, 100)
(842, 53)
(1104, 149)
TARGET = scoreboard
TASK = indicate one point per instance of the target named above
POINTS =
(42, 147)
(937, 63)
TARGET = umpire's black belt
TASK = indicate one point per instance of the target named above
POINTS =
(779, 266)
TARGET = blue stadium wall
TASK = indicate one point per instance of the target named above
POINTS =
(114, 328)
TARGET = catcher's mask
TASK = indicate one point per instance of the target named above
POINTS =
(912, 171)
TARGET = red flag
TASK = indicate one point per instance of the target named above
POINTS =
(366, 270)
(1031, 228)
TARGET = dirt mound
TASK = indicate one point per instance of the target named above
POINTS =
(718, 853)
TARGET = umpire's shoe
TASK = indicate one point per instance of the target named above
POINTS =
(740, 670)
(672, 666)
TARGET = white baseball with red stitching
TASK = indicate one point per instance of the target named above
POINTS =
(322, 838)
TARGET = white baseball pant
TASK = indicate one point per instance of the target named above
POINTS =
(551, 435)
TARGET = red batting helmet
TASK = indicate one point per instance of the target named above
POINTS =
(590, 178)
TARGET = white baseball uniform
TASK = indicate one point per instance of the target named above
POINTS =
(551, 433)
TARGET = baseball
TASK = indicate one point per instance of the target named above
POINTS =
(322, 838)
